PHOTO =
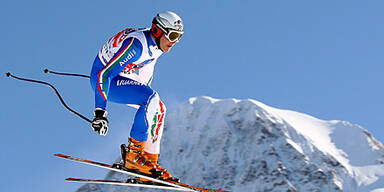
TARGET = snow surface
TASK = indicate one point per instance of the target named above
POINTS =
(245, 145)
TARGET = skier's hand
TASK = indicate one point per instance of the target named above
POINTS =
(100, 122)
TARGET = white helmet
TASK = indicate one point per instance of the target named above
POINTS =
(168, 23)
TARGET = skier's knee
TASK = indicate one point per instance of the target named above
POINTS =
(155, 105)
(160, 106)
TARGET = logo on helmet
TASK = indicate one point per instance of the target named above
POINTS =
(178, 25)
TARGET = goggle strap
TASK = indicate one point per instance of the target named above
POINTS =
(162, 28)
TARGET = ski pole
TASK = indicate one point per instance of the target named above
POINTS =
(66, 74)
(57, 93)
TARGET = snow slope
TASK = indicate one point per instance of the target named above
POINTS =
(245, 145)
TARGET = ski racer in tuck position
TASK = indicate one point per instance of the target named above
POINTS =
(122, 73)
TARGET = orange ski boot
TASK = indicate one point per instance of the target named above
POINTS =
(135, 159)
(165, 174)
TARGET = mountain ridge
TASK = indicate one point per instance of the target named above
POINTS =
(245, 145)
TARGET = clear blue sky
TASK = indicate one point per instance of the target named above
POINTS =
(323, 58)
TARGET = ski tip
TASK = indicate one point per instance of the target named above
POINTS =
(60, 155)
(73, 179)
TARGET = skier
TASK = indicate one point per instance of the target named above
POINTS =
(122, 73)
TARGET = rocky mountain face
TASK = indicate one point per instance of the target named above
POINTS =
(246, 146)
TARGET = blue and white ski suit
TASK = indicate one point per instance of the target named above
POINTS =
(122, 73)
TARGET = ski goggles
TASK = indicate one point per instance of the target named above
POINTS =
(173, 35)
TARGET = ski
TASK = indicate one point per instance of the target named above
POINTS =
(124, 183)
(183, 186)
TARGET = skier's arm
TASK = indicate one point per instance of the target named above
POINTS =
(129, 52)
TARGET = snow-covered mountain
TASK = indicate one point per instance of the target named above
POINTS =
(247, 146)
